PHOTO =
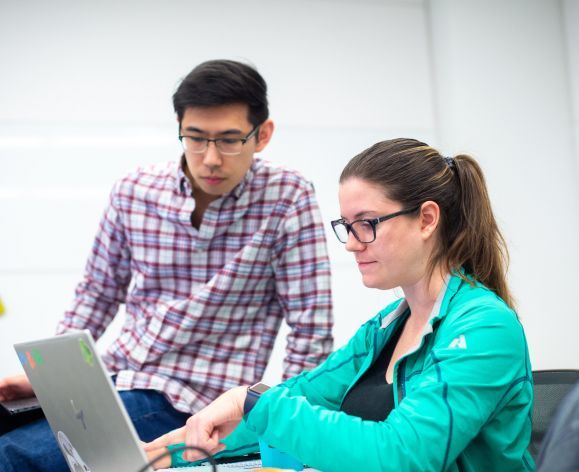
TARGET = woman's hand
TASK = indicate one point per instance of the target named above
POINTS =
(153, 453)
(206, 428)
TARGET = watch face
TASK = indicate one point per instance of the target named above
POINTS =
(259, 388)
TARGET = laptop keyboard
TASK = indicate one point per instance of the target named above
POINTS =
(229, 467)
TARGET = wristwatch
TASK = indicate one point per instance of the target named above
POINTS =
(253, 394)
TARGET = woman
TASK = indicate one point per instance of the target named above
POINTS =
(439, 380)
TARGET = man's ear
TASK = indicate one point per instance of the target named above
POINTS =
(264, 135)
(429, 218)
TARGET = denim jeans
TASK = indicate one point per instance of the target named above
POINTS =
(32, 447)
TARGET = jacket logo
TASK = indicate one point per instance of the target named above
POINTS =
(458, 343)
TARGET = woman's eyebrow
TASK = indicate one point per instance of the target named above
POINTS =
(360, 215)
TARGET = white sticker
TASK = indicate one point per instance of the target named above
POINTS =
(72, 457)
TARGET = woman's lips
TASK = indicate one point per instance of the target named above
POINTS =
(364, 264)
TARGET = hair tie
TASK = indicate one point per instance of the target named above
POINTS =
(449, 162)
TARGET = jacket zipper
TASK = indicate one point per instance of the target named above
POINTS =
(401, 387)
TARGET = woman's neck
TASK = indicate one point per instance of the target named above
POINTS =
(422, 295)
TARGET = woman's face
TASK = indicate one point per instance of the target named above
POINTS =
(399, 255)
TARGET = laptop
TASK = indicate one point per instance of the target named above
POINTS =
(85, 411)
(13, 408)
(81, 404)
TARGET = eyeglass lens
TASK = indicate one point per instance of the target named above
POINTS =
(363, 231)
(224, 145)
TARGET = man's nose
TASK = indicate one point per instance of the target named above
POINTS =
(212, 157)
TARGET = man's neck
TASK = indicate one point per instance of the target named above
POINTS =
(202, 200)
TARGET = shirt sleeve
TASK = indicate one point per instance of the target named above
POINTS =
(302, 278)
(459, 391)
(106, 277)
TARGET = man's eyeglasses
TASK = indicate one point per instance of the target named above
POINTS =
(228, 146)
(364, 230)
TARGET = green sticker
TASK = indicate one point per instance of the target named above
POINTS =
(37, 357)
(87, 354)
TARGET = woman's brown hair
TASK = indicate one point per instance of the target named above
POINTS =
(411, 172)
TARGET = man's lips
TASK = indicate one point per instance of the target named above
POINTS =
(213, 180)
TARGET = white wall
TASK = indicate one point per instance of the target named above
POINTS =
(85, 95)
(504, 93)
(570, 13)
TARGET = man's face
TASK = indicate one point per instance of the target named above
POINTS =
(211, 172)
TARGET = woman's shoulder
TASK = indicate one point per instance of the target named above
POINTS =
(476, 307)
(472, 296)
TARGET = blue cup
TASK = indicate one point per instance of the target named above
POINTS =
(272, 457)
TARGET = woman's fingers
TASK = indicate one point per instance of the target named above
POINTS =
(172, 437)
(163, 463)
(208, 427)
(213, 446)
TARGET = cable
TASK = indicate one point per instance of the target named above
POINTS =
(173, 450)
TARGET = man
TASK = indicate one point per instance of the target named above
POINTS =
(208, 254)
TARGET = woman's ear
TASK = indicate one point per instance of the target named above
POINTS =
(429, 219)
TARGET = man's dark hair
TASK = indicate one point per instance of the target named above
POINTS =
(223, 82)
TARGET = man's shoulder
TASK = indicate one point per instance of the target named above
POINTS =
(156, 177)
(277, 177)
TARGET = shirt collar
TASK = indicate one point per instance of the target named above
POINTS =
(248, 177)
(182, 184)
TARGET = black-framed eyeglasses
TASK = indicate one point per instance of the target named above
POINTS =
(364, 230)
(228, 146)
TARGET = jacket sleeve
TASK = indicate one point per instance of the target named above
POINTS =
(302, 279)
(324, 386)
(457, 392)
(106, 277)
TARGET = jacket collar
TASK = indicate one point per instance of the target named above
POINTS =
(451, 285)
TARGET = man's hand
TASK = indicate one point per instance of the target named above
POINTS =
(205, 429)
(15, 387)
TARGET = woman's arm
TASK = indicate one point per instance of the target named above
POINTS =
(450, 401)
(324, 385)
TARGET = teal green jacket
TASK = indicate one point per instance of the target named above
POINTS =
(463, 396)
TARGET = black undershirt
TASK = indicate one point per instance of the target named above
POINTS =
(372, 397)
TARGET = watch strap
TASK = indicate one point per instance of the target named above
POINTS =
(253, 394)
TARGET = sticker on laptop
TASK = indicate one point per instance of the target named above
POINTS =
(72, 457)
(30, 358)
(86, 352)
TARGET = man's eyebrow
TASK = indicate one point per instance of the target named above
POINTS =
(231, 131)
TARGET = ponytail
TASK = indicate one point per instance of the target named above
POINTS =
(477, 244)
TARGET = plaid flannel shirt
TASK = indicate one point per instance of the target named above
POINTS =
(203, 306)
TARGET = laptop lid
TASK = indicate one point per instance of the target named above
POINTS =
(81, 404)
